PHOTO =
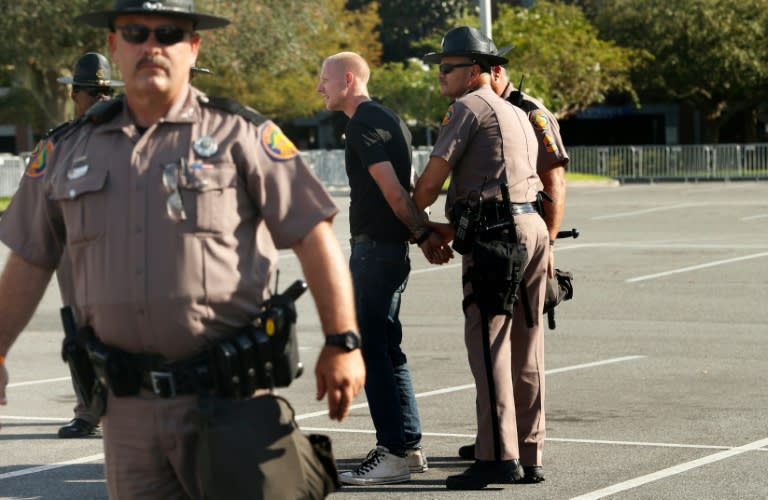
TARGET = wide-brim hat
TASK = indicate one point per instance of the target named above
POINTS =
(171, 8)
(91, 70)
(466, 41)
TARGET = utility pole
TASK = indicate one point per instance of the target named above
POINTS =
(485, 18)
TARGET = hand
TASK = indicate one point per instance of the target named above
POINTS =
(445, 230)
(436, 250)
(341, 375)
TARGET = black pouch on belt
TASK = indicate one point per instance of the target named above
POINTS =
(253, 449)
(495, 274)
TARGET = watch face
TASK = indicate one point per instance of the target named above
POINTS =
(350, 340)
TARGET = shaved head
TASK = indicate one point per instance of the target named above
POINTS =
(344, 82)
(353, 63)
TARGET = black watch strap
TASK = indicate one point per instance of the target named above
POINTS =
(348, 340)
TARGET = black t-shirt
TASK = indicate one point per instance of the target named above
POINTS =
(375, 134)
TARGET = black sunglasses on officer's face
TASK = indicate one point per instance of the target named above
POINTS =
(91, 91)
(167, 34)
(446, 68)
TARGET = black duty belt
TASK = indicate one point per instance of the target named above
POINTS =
(494, 212)
(169, 380)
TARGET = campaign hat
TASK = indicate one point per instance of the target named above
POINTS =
(172, 8)
(91, 70)
(467, 41)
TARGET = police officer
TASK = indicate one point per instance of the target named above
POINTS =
(550, 165)
(172, 206)
(488, 146)
(91, 82)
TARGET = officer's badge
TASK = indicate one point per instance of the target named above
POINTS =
(276, 144)
(205, 146)
(77, 171)
(37, 161)
(448, 115)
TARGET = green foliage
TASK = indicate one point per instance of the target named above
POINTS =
(270, 57)
(565, 63)
(710, 54)
(41, 43)
(406, 23)
(410, 89)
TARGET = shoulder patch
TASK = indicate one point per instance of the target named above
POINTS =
(38, 159)
(539, 120)
(276, 143)
(449, 114)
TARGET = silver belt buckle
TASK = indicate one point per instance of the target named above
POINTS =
(163, 384)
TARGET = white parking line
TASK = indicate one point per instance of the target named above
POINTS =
(548, 439)
(43, 468)
(694, 268)
(671, 471)
(94, 458)
(471, 386)
(646, 211)
(35, 382)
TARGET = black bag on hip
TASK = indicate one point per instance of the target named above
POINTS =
(496, 273)
(253, 449)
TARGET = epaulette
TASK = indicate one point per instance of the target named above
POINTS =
(517, 98)
(234, 107)
(56, 131)
(104, 111)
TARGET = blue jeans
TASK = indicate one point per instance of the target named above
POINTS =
(380, 272)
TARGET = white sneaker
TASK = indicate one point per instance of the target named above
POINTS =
(379, 467)
(417, 461)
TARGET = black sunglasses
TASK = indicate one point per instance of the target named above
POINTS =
(92, 91)
(446, 68)
(167, 34)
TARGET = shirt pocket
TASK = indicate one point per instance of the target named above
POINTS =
(209, 194)
(83, 202)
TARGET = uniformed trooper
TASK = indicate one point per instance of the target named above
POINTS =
(91, 81)
(489, 148)
(172, 206)
(550, 165)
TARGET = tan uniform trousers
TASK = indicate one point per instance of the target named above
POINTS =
(512, 412)
(149, 447)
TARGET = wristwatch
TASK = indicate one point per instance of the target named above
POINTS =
(349, 340)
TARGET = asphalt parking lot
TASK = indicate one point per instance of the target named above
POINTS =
(656, 373)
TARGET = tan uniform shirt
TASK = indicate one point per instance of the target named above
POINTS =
(488, 141)
(551, 148)
(144, 281)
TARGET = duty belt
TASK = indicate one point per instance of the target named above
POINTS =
(170, 380)
(493, 211)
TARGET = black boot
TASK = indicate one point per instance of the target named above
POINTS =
(482, 473)
(77, 428)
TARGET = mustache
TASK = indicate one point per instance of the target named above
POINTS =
(154, 60)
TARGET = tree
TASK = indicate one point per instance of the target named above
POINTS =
(564, 61)
(40, 44)
(410, 89)
(270, 57)
(708, 54)
(406, 23)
